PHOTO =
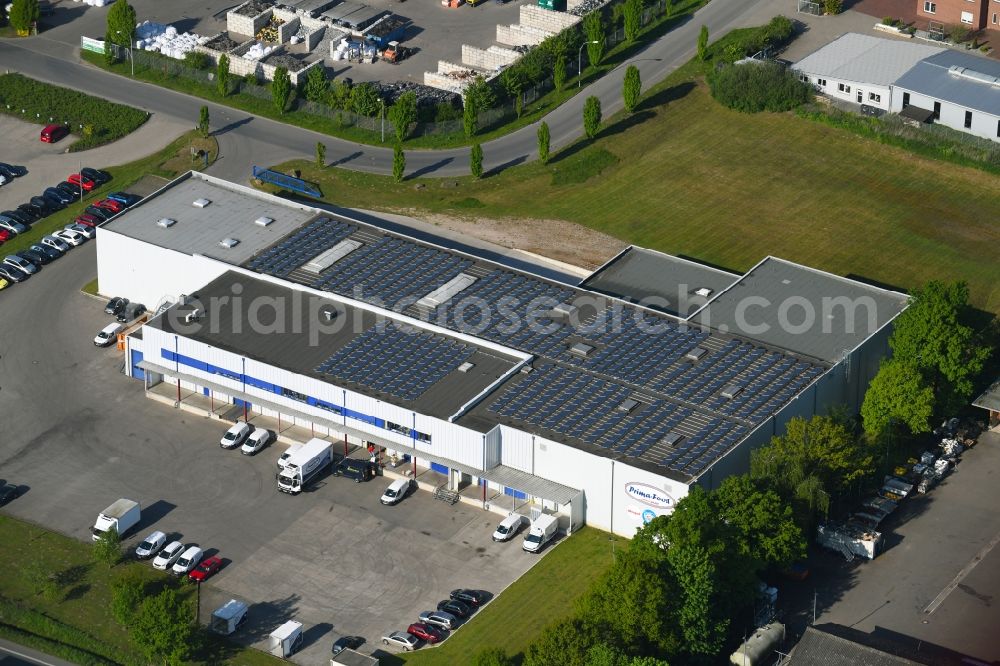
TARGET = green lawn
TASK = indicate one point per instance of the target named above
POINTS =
(686, 176)
(545, 594)
(72, 620)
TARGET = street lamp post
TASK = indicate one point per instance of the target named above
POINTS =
(382, 116)
(128, 50)
(579, 62)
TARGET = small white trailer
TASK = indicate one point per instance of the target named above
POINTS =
(286, 639)
(227, 618)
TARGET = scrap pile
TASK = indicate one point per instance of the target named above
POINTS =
(426, 95)
(269, 33)
(351, 50)
(587, 6)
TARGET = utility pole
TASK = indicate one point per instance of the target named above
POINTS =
(814, 606)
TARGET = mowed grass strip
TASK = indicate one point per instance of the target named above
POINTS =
(546, 593)
(696, 179)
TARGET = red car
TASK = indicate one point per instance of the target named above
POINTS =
(111, 204)
(5, 235)
(52, 133)
(207, 567)
(87, 220)
(426, 632)
(82, 181)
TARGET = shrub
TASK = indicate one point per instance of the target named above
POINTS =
(281, 89)
(754, 87)
(445, 111)
(365, 100)
(398, 163)
(591, 116)
(833, 6)
(196, 60)
(959, 33)
(22, 14)
(476, 160)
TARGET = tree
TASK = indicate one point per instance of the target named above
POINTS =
(222, 75)
(559, 73)
(703, 627)
(933, 335)
(281, 89)
(765, 528)
(120, 27)
(703, 43)
(897, 394)
(127, 593)
(339, 95)
(494, 656)
(543, 142)
(632, 19)
(320, 154)
(403, 113)
(833, 6)
(631, 88)
(203, 122)
(592, 116)
(398, 163)
(316, 85)
(196, 60)
(478, 97)
(23, 14)
(668, 8)
(108, 548)
(365, 100)
(163, 628)
(593, 28)
(565, 643)
(476, 160)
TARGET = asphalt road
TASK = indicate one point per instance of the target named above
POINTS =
(245, 140)
(12, 654)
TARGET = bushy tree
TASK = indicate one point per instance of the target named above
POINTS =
(559, 73)
(592, 116)
(565, 643)
(23, 13)
(833, 6)
(203, 122)
(316, 85)
(281, 89)
(897, 394)
(492, 656)
(108, 548)
(758, 86)
(163, 628)
(631, 88)
(703, 43)
(476, 160)
(543, 142)
(320, 154)
(126, 597)
(339, 96)
(478, 97)
(632, 19)
(365, 100)
(121, 26)
(403, 113)
(196, 60)
(593, 28)
(763, 524)
(398, 163)
(222, 76)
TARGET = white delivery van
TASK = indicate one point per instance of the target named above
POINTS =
(188, 560)
(509, 527)
(543, 529)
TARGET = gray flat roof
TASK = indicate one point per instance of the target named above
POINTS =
(865, 59)
(659, 281)
(819, 648)
(801, 309)
(977, 88)
(231, 214)
(990, 398)
(285, 336)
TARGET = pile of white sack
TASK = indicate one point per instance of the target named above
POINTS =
(96, 3)
(257, 51)
(347, 48)
(165, 39)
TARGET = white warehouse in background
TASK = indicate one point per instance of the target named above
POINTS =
(600, 402)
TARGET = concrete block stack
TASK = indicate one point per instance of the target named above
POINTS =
(248, 18)
(493, 58)
(520, 35)
(454, 78)
(533, 16)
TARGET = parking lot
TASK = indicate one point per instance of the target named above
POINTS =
(78, 435)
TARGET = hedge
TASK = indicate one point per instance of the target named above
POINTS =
(94, 120)
(758, 86)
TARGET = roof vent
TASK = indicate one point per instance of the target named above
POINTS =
(627, 405)
(329, 257)
(447, 291)
(525, 369)
(581, 349)
(465, 367)
(263, 221)
(671, 439)
(564, 310)
(165, 222)
(229, 243)
(329, 314)
(704, 292)
(730, 391)
(696, 354)
(194, 315)
(201, 203)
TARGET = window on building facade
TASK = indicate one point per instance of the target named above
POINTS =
(423, 437)
(906, 99)
(968, 119)
(937, 110)
(395, 427)
(873, 97)
(842, 88)
(930, 7)
(821, 83)
(998, 128)
(967, 17)
(294, 395)
(995, 17)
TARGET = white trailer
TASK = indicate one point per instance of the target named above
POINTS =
(305, 465)
(286, 639)
(543, 529)
(123, 515)
(227, 618)
(850, 539)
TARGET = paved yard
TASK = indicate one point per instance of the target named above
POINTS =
(79, 435)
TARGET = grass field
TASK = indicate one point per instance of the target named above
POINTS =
(690, 177)
(72, 620)
(545, 594)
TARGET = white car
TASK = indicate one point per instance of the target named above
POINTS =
(57, 243)
(188, 560)
(83, 229)
(151, 545)
(442, 619)
(257, 440)
(235, 435)
(401, 639)
(108, 335)
(395, 492)
(287, 454)
(74, 238)
(3, 179)
(166, 557)
(509, 526)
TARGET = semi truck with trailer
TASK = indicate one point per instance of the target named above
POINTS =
(305, 465)
(123, 515)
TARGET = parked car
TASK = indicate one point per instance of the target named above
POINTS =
(42, 204)
(96, 175)
(5, 235)
(168, 555)
(454, 607)
(4, 179)
(49, 251)
(206, 568)
(8, 493)
(131, 312)
(257, 440)
(34, 257)
(55, 242)
(12, 225)
(52, 133)
(439, 619)
(3, 283)
(28, 211)
(395, 492)
(425, 632)
(19, 216)
(188, 560)
(74, 238)
(14, 171)
(471, 598)
(87, 221)
(151, 545)
(78, 179)
(59, 195)
(70, 189)
(102, 214)
(115, 305)
(509, 527)
(401, 639)
(55, 203)
(235, 435)
(82, 229)
(347, 643)
(12, 275)
(111, 204)
(108, 335)
(126, 199)
(21, 264)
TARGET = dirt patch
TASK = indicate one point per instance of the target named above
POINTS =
(557, 239)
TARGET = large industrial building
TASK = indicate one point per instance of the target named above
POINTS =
(602, 401)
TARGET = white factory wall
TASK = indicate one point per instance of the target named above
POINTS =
(146, 273)
(985, 125)
(634, 497)
(832, 88)
(517, 448)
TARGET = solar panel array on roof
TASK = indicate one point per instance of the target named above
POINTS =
(298, 248)
(402, 361)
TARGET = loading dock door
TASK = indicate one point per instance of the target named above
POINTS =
(440, 469)
(137, 372)
(516, 494)
(242, 403)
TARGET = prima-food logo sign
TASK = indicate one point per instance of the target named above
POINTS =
(649, 495)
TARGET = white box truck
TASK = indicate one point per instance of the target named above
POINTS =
(123, 515)
(543, 529)
(286, 639)
(304, 465)
(227, 618)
